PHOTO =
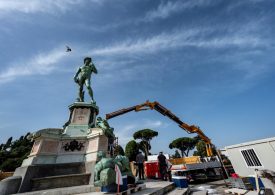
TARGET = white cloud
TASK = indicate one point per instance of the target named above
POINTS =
(238, 4)
(237, 40)
(114, 55)
(40, 64)
(164, 10)
(181, 38)
(33, 6)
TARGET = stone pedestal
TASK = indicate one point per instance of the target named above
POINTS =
(63, 149)
(82, 118)
(76, 146)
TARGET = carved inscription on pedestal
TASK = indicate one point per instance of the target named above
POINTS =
(81, 116)
(49, 146)
(103, 143)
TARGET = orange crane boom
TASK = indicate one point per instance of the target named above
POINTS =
(164, 111)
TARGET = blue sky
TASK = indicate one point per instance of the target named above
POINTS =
(211, 62)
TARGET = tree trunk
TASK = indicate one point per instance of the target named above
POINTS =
(146, 150)
(187, 152)
(182, 153)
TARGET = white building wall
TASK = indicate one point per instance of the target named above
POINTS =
(264, 149)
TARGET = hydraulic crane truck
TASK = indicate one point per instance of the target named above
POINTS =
(164, 111)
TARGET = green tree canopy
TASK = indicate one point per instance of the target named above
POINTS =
(8, 144)
(197, 139)
(14, 152)
(131, 150)
(184, 144)
(145, 147)
(201, 149)
(119, 150)
(146, 135)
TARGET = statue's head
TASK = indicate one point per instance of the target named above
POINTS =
(87, 59)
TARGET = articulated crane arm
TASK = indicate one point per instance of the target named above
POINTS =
(164, 111)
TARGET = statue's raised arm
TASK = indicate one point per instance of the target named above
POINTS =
(83, 76)
(94, 69)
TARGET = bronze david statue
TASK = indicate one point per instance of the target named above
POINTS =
(83, 76)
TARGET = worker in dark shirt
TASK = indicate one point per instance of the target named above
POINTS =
(162, 165)
(139, 160)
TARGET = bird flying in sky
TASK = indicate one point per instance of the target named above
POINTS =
(68, 49)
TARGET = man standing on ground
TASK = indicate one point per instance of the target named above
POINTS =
(139, 160)
(162, 165)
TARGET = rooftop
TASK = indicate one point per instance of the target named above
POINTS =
(271, 139)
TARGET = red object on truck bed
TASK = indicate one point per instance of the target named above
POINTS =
(152, 169)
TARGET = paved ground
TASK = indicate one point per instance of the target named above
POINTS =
(155, 187)
(213, 188)
(152, 186)
(178, 191)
